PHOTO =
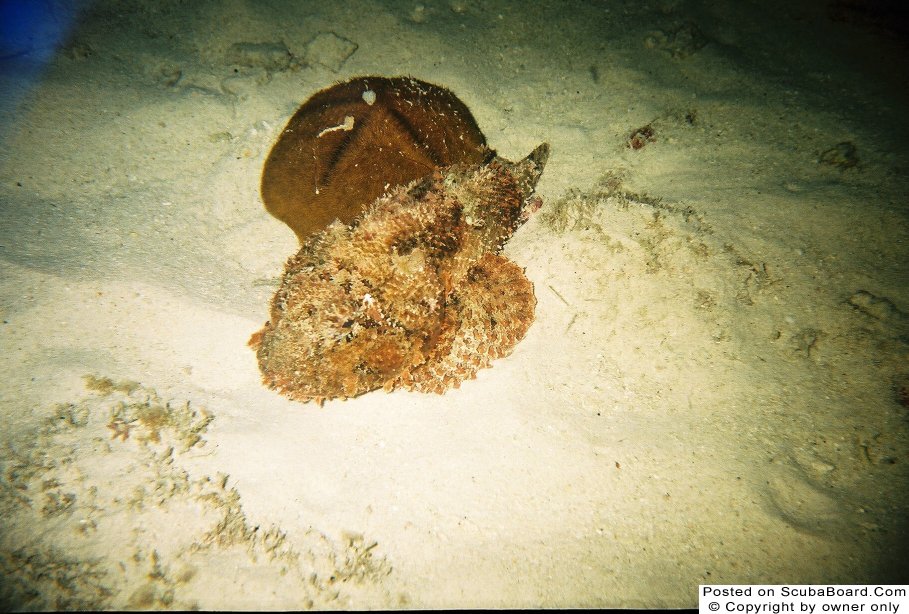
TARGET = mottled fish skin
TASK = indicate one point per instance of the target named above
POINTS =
(414, 293)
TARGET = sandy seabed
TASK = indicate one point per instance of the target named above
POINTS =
(714, 390)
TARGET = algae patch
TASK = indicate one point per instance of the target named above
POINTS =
(107, 505)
